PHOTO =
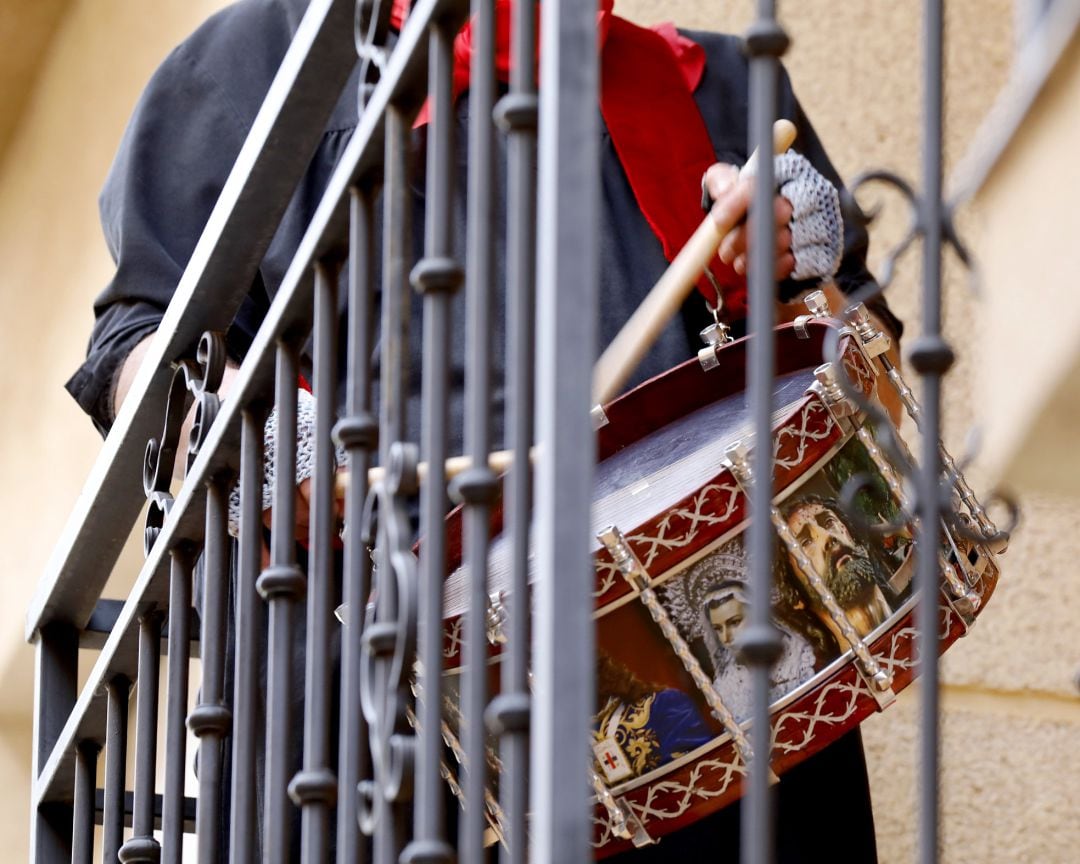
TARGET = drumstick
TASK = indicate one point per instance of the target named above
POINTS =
(638, 334)
(643, 328)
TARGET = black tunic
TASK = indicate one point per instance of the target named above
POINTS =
(176, 153)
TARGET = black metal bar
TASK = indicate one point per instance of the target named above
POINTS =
(250, 642)
(313, 788)
(358, 433)
(931, 357)
(393, 387)
(563, 636)
(274, 156)
(112, 836)
(51, 840)
(402, 80)
(760, 644)
(211, 719)
(56, 668)
(437, 276)
(188, 809)
(517, 112)
(104, 619)
(141, 846)
(397, 246)
(477, 486)
(82, 835)
(172, 807)
(281, 585)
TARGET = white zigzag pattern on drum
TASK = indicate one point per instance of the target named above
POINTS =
(453, 636)
(661, 541)
(607, 569)
(644, 810)
(858, 374)
(806, 436)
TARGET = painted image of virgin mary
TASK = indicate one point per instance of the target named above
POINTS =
(725, 610)
(711, 605)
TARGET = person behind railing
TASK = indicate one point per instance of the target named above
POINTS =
(674, 111)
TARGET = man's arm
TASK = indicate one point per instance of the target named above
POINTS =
(731, 197)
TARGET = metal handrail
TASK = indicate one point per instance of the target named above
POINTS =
(213, 285)
(401, 79)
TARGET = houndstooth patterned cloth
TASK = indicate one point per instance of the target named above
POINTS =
(817, 228)
(305, 456)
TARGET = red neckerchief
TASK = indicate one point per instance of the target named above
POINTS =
(648, 77)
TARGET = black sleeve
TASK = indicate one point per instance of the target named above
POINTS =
(173, 160)
(853, 275)
(723, 98)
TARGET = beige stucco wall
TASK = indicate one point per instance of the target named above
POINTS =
(1011, 783)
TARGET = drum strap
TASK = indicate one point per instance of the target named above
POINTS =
(648, 78)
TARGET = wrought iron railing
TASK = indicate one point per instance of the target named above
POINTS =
(395, 754)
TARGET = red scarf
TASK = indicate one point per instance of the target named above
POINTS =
(648, 77)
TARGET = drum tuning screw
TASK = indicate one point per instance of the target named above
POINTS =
(818, 304)
(882, 680)
(830, 391)
(875, 342)
(716, 334)
(496, 619)
(738, 457)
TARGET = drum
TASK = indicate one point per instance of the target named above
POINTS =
(670, 515)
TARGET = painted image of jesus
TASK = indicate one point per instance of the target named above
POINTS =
(848, 567)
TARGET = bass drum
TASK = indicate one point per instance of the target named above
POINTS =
(670, 515)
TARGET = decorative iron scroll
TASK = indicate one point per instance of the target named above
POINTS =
(961, 510)
(371, 26)
(200, 380)
(389, 638)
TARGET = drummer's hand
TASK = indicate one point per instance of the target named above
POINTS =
(303, 516)
(731, 202)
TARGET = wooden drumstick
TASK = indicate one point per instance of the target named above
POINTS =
(639, 333)
(643, 328)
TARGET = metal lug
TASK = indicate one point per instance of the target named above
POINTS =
(874, 342)
(830, 391)
(818, 304)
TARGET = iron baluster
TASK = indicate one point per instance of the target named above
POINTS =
(476, 487)
(211, 719)
(436, 277)
(314, 787)
(141, 846)
(56, 670)
(179, 652)
(82, 837)
(760, 644)
(567, 309)
(931, 357)
(357, 432)
(112, 824)
(508, 713)
(281, 585)
(247, 739)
